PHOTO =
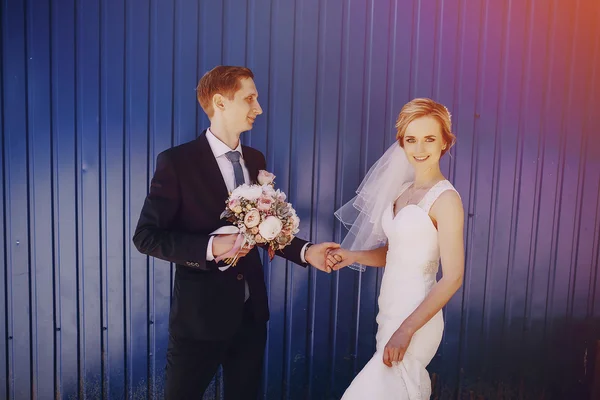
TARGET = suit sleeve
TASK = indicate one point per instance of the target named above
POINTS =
(154, 235)
(292, 251)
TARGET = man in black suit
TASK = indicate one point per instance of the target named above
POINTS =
(217, 317)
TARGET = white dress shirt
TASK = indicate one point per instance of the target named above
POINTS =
(219, 150)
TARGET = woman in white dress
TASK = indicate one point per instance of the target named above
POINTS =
(406, 217)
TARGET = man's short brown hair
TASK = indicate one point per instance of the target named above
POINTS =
(222, 79)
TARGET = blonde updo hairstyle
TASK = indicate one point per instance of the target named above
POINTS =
(423, 107)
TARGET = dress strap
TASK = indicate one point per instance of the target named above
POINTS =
(402, 189)
(432, 195)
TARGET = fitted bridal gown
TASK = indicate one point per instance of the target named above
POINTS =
(410, 273)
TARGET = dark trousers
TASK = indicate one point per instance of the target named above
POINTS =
(192, 364)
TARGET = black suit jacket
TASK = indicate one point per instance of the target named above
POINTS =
(186, 198)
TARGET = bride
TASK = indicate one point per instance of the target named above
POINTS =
(406, 217)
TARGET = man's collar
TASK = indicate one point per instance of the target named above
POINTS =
(218, 147)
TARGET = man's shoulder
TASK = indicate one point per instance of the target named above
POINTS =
(180, 149)
(252, 152)
(257, 157)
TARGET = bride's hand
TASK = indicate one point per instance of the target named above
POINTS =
(396, 346)
(339, 258)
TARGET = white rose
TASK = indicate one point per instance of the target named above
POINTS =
(296, 221)
(269, 191)
(250, 192)
(270, 228)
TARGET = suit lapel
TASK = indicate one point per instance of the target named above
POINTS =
(251, 165)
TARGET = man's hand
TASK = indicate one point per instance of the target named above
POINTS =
(222, 244)
(316, 255)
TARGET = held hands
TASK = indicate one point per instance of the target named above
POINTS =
(329, 257)
(339, 258)
(317, 253)
(326, 256)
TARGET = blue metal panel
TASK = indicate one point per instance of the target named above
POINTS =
(16, 201)
(63, 195)
(138, 163)
(163, 130)
(4, 384)
(87, 201)
(91, 92)
(112, 192)
(40, 204)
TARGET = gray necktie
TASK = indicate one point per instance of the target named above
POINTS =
(234, 157)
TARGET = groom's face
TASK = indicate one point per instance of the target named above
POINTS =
(241, 111)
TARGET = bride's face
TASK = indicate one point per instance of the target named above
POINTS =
(423, 142)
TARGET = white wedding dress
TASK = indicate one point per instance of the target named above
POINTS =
(410, 273)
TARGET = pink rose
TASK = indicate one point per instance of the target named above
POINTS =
(281, 196)
(265, 177)
(264, 203)
(252, 219)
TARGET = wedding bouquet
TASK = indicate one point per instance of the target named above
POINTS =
(261, 215)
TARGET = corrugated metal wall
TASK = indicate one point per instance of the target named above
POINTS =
(92, 91)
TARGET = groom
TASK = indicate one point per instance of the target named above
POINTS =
(217, 317)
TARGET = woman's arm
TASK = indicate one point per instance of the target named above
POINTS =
(341, 258)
